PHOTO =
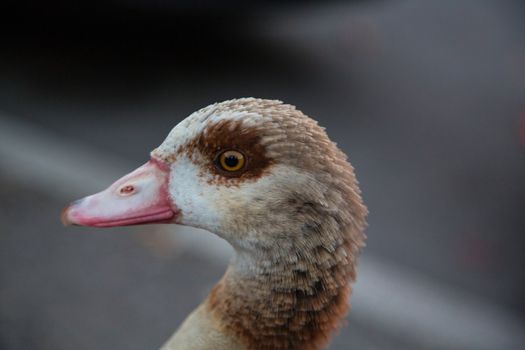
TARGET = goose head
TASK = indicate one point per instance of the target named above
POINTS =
(255, 172)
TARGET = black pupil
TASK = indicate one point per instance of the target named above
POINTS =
(231, 161)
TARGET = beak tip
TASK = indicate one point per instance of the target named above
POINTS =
(64, 217)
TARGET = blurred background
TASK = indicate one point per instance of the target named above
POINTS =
(426, 97)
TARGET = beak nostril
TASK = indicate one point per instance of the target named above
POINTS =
(126, 190)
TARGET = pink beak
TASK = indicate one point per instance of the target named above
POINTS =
(140, 197)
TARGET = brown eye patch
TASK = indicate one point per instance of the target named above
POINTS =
(237, 144)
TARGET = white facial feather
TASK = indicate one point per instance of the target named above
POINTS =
(188, 186)
(234, 211)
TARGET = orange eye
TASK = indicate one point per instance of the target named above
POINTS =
(231, 161)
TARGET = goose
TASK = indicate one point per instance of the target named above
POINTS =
(266, 178)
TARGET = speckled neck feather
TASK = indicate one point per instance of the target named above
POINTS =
(295, 305)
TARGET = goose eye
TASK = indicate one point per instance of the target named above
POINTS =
(231, 161)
